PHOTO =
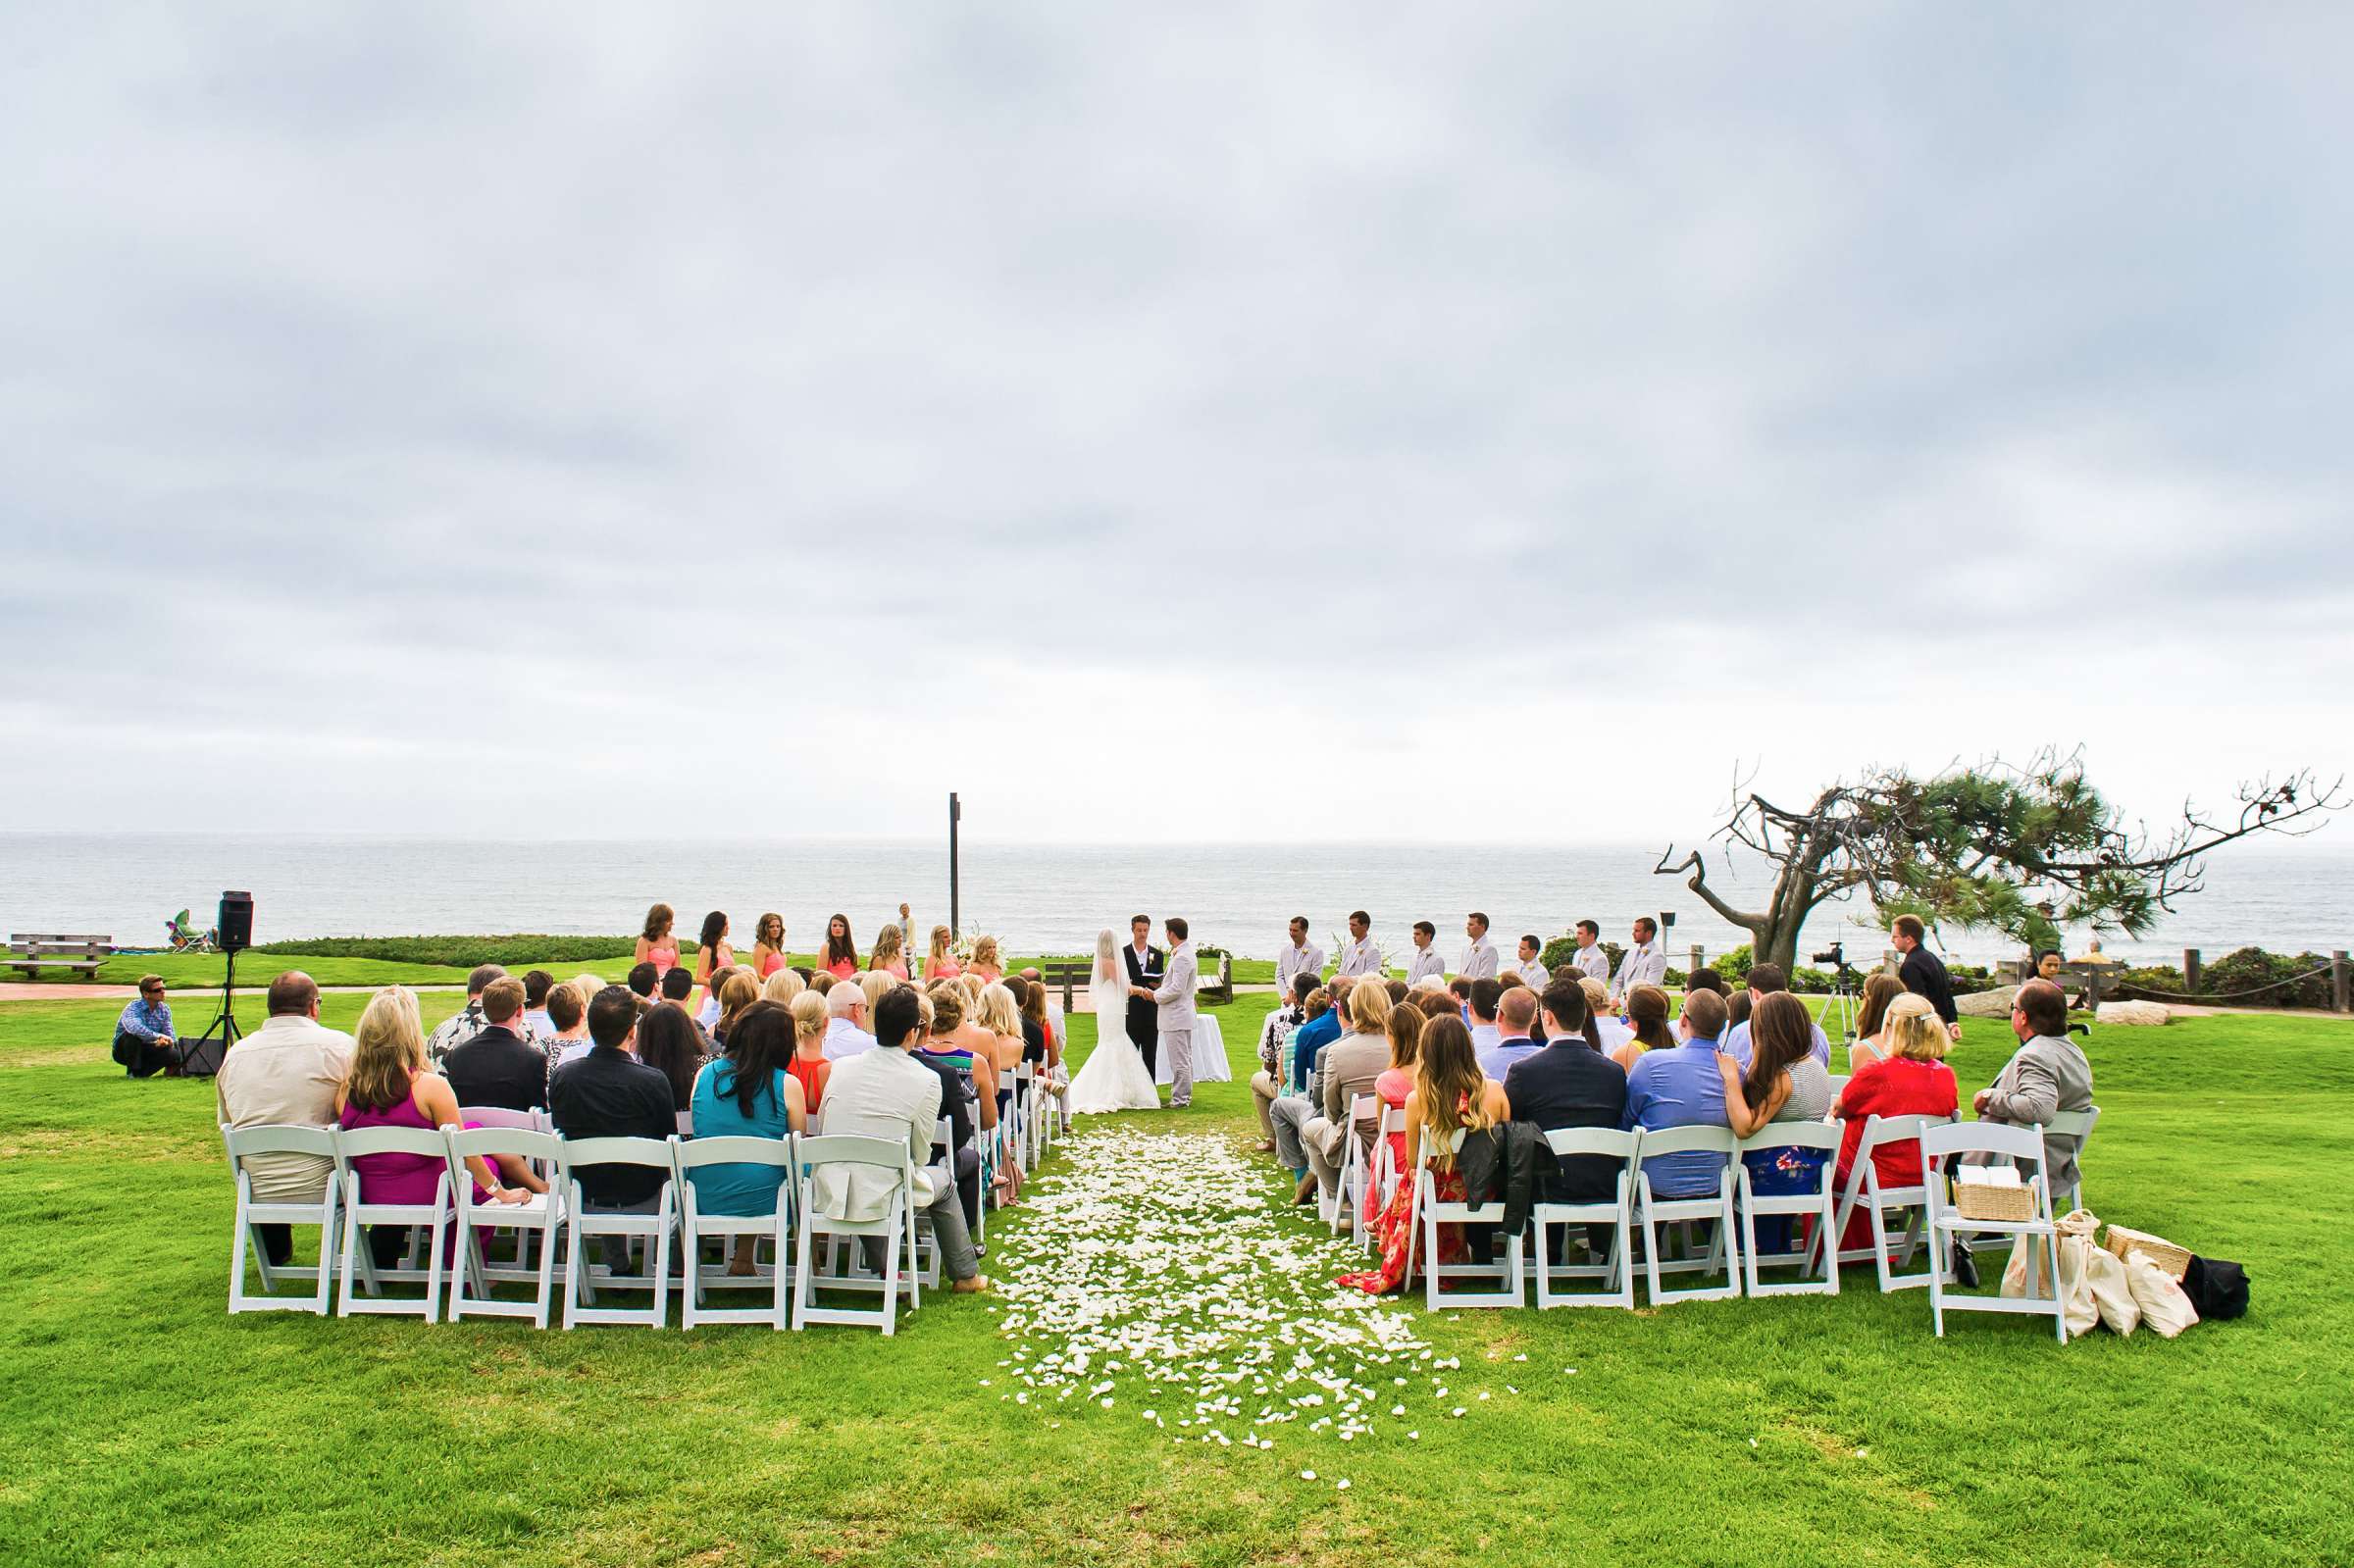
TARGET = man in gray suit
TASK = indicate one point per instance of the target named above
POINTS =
(2048, 1074)
(1175, 1002)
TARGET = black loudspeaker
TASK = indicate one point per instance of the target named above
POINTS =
(201, 1058)
(235, 925)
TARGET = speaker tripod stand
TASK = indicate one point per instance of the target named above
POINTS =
(202, 1059)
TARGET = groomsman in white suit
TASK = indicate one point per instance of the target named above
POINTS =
(1301, 956)
(1175, 999)
(1479, 959)
(1425, 960)
(1531, 968)
(1591, 958)
(1643, 964)
(1360, 956)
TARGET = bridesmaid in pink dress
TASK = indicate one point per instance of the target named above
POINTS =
(890, 956)
(986, 963)
(768, 945)
(941, 964)
(1397, 1080)
(657, 946)
(841, 957)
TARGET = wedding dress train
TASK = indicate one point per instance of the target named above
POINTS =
(1114, 1076)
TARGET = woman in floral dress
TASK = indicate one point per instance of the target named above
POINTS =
(1449, 1097)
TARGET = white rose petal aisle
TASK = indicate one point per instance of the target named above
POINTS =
(1155, 1280)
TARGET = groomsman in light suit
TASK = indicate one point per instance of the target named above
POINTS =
(1173, 1000)
(1361, 956)
(1479, 959)
(1591, 958)
(1301, 956)
(1144, 964)
(1425, 959)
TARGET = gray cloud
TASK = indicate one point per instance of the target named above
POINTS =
(784, 413)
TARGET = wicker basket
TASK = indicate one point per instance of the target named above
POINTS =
(2170, 1259)
(1983, 1201)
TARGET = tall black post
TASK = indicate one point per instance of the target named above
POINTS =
(956, 812)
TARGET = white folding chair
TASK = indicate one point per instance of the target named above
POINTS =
(1863, 1189)
(695, 1224)
(2072, 1124)
(1384, 1162)
(1838, 1086)
(541, 1220)
(1429, 1213)
(650, 1225)
(242, 1142)
(1820, 1203)
(896, 1227)
(1946, 1225)
(1724, 1243)
(433, 1219)
(1616, 1272)
(1344, 1208)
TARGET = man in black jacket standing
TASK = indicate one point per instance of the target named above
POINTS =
(1147, 967)
(1923, 972)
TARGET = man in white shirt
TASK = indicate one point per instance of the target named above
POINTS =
(1479, 959)
(285, 1073)
(1360, 956)
(1643, 964)
(1483, 1001)
(1531, 969)
(1301, 956)
(1591, 957)
(1426, 961)
(845, 1023)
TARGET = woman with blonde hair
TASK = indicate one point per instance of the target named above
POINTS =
(736, 993)
(1912, 1079)
(985, 960)
(941, 963)
(1404, 1028)
(890, 956)
(1606, 1023)
(1001, 1016)
(390, 1084)
(874, 985)
(1881, 989)
(768, 945)
(1451, 1098)
(809, 1066)
(783, 986)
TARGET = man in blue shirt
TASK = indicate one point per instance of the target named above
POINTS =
(1682, 1087)
(143, 1039)
(1311, 1037)
(1764, 981)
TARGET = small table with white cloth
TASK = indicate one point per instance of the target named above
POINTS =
(1209, 1054)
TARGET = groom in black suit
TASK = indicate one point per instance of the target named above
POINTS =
(1147, 966)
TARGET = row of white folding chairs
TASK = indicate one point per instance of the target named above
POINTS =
(1734, 1210)
(451, 1222)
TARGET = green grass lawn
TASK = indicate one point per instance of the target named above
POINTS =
(144, 1426)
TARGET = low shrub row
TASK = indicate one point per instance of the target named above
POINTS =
(2299, 981)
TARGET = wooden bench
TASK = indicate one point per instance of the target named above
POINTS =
(1215, 989)
(35, 952)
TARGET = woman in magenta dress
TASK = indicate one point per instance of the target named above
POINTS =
(658, 945)
(841, 957)
(1451, 1098)
(390, 1085)
(1912, 1079)
(1391, 1089)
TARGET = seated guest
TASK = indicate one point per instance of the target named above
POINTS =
(874, 985)
(1768, 980)
(610, 1094)
(537, 983)
(1515, 1012)
(822, 980)
(1038, 1032)
(737, 992)
(390, 1084)
(1450, 1098)
(1319, 1032)
(1871, 1016)
(809, 1065)
(1266, 1085)
(1682, 1087)
(1459, 988)
(678, 985)
(1705, 980)
(1397, 1080)
(1570, 1084)
(1912, 1079)
(1782, 1083)
(143, 1039)
(1485, 995)
(957, 1042)
(889, 957)
(1612, 1033)
(747, 1093)
(782, 986)
(845, 1030)
(669, 1043)
(285, 1074)
(646, 980)
(941, 962)
(1647, 1026)
(887, 1094)
(1348, 1068)
(2048, 1073)
(496, 1068)
(462, 1026)
(568, 1011)
(1736, 1009)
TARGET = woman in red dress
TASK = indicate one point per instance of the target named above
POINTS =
(1451, 1098)
(1912, 1079)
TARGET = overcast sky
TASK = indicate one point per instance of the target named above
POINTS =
(1345, 422)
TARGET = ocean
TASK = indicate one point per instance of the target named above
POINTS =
(2290, 897)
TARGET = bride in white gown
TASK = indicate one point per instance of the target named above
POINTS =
(1114, 1076)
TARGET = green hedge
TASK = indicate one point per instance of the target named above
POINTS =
(463, 952)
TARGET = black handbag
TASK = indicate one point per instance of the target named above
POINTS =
(2216, 1288)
